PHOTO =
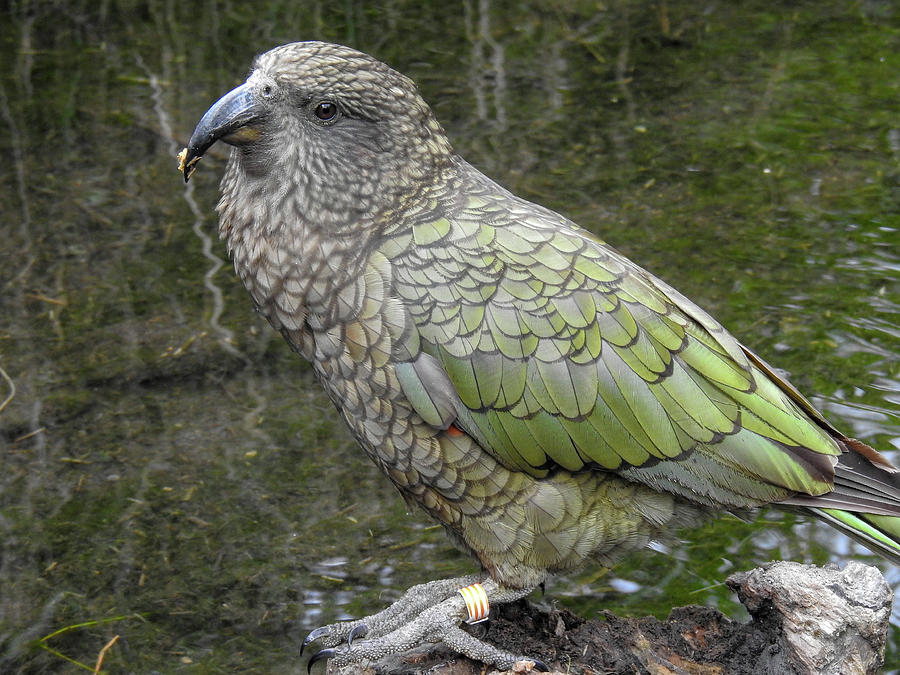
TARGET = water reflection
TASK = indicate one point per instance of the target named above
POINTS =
(169, 461)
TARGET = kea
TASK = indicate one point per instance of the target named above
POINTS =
(545, 399)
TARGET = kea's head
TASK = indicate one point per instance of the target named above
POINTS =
(335, 130)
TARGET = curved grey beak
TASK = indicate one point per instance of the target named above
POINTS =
(229, 119)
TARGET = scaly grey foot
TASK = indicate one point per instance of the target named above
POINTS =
(428, 613)
(416, 599)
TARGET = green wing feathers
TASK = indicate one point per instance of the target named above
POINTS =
(562, 353)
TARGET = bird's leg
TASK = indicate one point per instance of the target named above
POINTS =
(427, 613)
(416, 599)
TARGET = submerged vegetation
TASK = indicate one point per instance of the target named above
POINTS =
(173, 477)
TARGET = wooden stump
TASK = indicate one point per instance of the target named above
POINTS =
(805, 620)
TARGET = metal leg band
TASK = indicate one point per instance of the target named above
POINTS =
(476, 603)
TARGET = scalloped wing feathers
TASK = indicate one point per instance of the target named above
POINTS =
(553, 350)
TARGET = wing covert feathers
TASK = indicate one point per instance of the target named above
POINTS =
(563, 353)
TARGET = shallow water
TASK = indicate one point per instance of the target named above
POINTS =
(171, 473)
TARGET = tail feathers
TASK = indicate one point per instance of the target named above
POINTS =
(865, 501)
(859, 472)
(880, 534)
(859, 486)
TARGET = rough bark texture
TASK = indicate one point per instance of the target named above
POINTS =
(833, 621)
(806, 620)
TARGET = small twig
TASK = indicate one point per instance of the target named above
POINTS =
(25, 437)
(42, 642)
(44, 298)
(12, 389)
(102, 654)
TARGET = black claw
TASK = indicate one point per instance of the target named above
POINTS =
(540, 666)
(314, 635)
(322, 654)
(480, 629)
(355, 632)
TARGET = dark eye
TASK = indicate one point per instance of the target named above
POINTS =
(267, 91)
(326, 111)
